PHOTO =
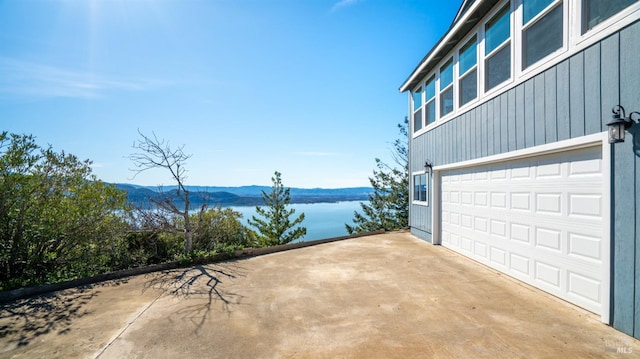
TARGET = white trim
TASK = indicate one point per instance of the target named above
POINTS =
(436, 227)
(574, 143)
(606, 228)
(597, 139)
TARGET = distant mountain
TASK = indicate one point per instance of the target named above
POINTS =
(240, 196)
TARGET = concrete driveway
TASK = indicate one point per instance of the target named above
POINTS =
(381, 296)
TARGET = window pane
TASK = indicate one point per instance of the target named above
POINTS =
(417, 99)
(446, 74)
(468, 87)
(543, 37)
(417, 120)
(597, 11)
(446, 102)
(497, 30)
(531, 8)
(468, 57)
(498, 68)
(423, 187)
(416, 188)
(430, 111)
(430, 88)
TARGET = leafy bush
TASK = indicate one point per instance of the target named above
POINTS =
(57, 221)
(220, 230)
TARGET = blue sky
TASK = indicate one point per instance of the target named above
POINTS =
(305, 87)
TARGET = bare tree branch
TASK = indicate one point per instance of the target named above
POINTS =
(156, 153)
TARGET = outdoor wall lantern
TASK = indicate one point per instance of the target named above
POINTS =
(427, 167)
(619, 123)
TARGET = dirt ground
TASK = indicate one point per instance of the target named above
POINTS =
(381, 296)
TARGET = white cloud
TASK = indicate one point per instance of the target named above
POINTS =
(23, 78)
(343, 3)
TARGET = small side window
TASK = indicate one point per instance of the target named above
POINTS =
(420, 187)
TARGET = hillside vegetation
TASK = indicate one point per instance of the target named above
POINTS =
(59, 222)
(240, 196)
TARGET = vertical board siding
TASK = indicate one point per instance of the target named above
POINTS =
(636, 135)
(625, 185)
(576, 94)
(538, 110)
(529, 114)
(486, 130)
(572, 99)
(550, 108)
(504, 123)
(493, 130)
(473, 132)
(592, 118)
(562, 98)
(610, 80)
(511, 118)
(623, 250)
(520, 120)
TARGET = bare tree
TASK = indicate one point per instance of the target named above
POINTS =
(156, 153)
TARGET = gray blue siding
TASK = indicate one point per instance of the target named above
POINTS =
(569, 100)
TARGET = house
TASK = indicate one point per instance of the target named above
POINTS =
(509, 152)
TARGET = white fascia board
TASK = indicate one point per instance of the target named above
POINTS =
(565, 145)
(440, 44)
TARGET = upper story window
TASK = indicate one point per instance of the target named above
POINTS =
(542, 29)
(430, 100)
(497, 49)
(597, 11)
(417, 109)
(446, 88)
(468, 72)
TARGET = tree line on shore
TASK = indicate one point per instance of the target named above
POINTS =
(59, 222)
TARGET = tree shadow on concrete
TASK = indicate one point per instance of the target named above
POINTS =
(25, 320)
(202, 285)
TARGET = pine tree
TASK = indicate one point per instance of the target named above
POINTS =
(275, 227)
(388, 206)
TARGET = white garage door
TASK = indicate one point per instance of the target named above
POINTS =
(538, 219)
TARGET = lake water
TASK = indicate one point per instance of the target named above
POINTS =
(322, 220)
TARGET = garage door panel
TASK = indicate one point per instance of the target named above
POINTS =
(585, 247)
(538, 219)
(547, 274)
(584, 205)
(549, 238)
(498, 256)
(584, 288)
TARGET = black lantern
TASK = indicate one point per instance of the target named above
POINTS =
(618, 124)
(427, 167)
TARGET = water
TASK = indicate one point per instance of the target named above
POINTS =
(322, 220)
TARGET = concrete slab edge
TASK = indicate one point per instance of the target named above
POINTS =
(21, 293)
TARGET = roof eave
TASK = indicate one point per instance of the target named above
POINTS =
(466, 19)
